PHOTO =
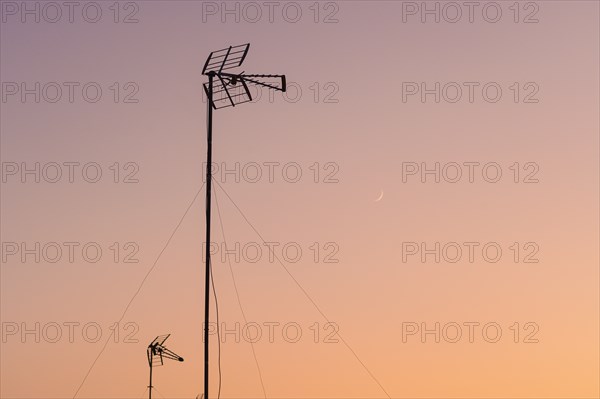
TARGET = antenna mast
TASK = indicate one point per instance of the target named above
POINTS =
(220, 95)
(156, 352)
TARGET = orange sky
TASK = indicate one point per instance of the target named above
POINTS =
(360, 119)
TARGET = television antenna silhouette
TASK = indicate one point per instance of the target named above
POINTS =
(156, 353)
(225, 89)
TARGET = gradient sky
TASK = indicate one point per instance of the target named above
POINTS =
(350, 127)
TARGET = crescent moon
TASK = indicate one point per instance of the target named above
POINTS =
(380, 197)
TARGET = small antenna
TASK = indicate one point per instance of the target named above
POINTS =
(156, 352)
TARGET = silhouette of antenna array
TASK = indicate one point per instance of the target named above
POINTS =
(230, 89)
(225, 89)
(156, 353)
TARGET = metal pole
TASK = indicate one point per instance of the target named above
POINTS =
(150, 386)
(208, 197)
